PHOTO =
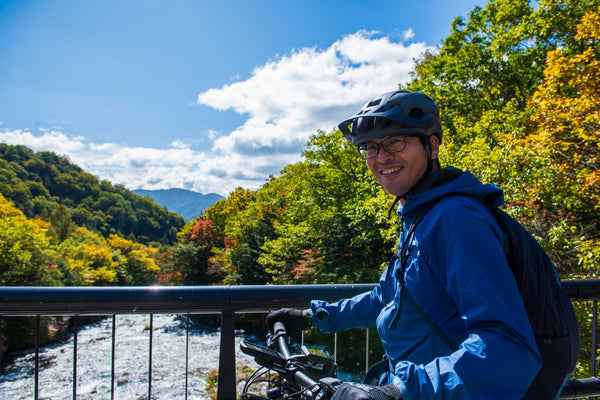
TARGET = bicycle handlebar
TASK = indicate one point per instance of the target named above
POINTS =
(281, 334)
(308, 375)
(298, 376)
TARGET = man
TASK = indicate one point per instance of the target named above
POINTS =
(452, 267)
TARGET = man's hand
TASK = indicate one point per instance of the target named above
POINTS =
(294, 320)
(362, 391)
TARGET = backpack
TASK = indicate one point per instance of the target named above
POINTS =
(548, 307)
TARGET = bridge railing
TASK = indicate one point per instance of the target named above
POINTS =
(226, 301)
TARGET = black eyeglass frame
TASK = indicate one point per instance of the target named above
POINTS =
(362, 148)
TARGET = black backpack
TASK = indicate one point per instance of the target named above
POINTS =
(548, 307)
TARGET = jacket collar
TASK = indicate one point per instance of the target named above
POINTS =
(450, 181)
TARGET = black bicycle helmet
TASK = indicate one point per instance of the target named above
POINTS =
(393, 113)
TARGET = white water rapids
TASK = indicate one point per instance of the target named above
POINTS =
(94, 344)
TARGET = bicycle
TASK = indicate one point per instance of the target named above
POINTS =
(283, 375)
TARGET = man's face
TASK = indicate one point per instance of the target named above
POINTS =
(399, 172)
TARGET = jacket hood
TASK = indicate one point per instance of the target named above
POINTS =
(452, 181)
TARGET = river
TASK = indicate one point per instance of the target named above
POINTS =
(131, 362)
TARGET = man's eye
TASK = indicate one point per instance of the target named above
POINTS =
(367, 148)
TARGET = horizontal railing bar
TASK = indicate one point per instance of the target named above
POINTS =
(85, 300)
(165, 299)
(582, 289)
(581, 388)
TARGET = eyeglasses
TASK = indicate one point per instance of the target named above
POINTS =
(395, 144)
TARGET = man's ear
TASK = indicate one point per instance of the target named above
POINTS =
(435, 146)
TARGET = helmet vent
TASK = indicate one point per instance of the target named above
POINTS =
(374, 102)
(416, 113)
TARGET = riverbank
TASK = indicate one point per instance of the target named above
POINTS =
(131, 369)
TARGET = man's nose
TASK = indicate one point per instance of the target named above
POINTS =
(383, 155)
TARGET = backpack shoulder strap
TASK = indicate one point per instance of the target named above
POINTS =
(403, 253)
(432, 325)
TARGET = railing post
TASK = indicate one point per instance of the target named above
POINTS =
(1, 355)
(112, 356)
(594, 337)
(187, 353)
(150, 337)
(367, 353)
(75, 356)
(36, 390)
(226, 384)
(335, 337)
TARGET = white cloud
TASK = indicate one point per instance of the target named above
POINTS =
(141, 167)
(178, 144)
(50, 139)
(408, 34)
(213, 134)
(285, 100)
(289, 98)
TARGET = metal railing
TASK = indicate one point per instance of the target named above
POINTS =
(224, 300)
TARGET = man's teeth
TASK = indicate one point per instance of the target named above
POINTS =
(390, 170)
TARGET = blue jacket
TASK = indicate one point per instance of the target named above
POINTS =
(457, 272)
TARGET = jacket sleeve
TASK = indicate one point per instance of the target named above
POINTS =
(359, 311)
(498, 359)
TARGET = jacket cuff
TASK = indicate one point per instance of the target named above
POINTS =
(401, 386)
(320, 316)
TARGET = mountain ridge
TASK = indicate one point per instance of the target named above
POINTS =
(187, 203)
(50, 187)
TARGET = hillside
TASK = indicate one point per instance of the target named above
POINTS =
(47, 186)
(187, 203)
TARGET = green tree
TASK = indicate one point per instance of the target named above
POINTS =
(26, 258)
(243, 229)
(61, 224)
(494, 60)
(136, 262)
(190, 261)
(565, 142)
(327, 229)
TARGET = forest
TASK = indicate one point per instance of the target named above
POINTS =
(62, 226)
(518, 84)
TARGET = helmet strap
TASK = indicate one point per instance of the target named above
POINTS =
(396, 200)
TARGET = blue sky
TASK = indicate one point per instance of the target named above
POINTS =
(203, 95)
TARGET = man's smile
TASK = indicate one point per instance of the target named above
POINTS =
(390, 170)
